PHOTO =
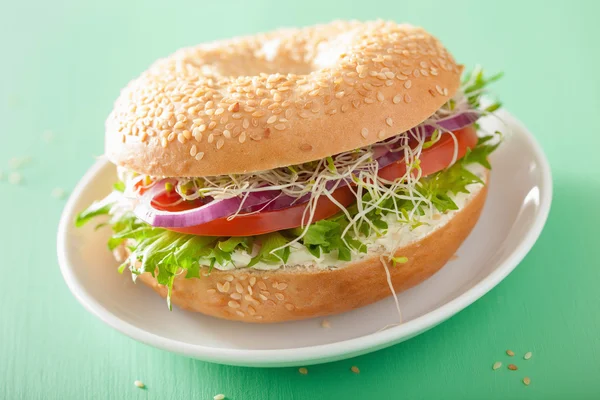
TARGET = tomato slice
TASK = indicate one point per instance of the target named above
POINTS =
(433, 159)
(271, 221)
(438, 156)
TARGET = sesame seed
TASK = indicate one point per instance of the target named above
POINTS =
(512, 367)
(381, 134)
(219, 397)
(496, 365)
(364, 132)
(303, 370)
(380, 96)
(239, 288)
(15, 178)
(526, 381)
(527, 355)
(233, 304)
(407, 98)
(355, 369)
(408, 84)
(279, 296)
(58, 193)
(389, 121)
(199, 156)
(139, 384)
(19, 162)
(510, 353)
(47, 136)
(397, 99)
(280, 127)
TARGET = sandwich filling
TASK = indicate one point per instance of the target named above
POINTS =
(325, 213)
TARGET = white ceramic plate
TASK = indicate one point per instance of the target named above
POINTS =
(519, 199)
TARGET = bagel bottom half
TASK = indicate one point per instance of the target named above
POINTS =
(293, 293)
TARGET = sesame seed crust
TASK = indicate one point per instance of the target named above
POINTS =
(290, 293)
(237, 103)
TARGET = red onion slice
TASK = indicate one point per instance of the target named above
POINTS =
(455, 122)
(196, 216)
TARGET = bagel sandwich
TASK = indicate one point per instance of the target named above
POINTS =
(298, 173)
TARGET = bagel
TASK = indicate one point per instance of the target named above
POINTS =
(294, 293)
(231, 106)
(298, 173)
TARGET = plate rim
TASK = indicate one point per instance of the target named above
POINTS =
(323, 352)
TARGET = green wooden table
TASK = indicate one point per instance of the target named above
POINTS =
(63, 64)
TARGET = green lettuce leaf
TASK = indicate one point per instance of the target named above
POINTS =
(92, 212)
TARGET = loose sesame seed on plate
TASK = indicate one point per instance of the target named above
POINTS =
(325, 324)
(510, 353)
(139, 384)
(526, 381)
(219, 397)
(512, 367)
(527, 355)
(355, 369)
(303, 370)
(496, 365)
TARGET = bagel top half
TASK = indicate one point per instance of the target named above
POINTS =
(276, 99)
